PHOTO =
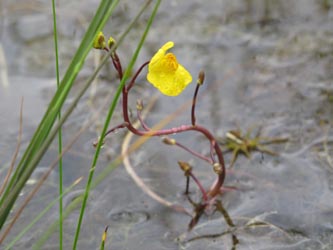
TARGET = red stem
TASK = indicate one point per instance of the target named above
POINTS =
(202, 157)
(143, 124)
(116, 63)
(194, 104)
(130, 85)
(221, 174)
(115, 59)
(203, 191)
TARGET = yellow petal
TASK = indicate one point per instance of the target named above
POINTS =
(171, 84)
(161, 52)
(166, 74)
(167, 46)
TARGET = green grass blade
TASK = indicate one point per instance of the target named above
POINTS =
(40, 215)
(78, 201)
(110, 114)
(55, 130)
(7, 200)
(53, 227)
(53, 133)
(104, 174)
(55, 35)
(75, 204)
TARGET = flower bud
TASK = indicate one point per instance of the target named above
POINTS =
(99, 42)
(186, 167)
(95, 143)
(111, 42)
(201, 77)
(139, 105)
(217, 168)
(169, 141)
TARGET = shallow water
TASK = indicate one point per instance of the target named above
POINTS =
(267, 63)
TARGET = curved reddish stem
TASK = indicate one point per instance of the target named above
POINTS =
(130, 85)
(149, 132)
(116, 63)
(221, 176)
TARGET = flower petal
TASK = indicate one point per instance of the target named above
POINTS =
(160, 53)
(166, 74)
(171, 84)
(167, 46)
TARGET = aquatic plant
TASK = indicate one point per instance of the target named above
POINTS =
(171, 78)
(237, 143)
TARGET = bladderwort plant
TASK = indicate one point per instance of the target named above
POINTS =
(49, 127)
(170, 78)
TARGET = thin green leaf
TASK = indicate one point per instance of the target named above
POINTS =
(40, 215)
(109, 116)
(25, 167)
(55, 36)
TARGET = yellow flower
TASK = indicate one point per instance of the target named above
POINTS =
(99, 42)
(166, 74)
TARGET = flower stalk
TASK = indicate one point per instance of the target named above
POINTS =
(171, 78)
